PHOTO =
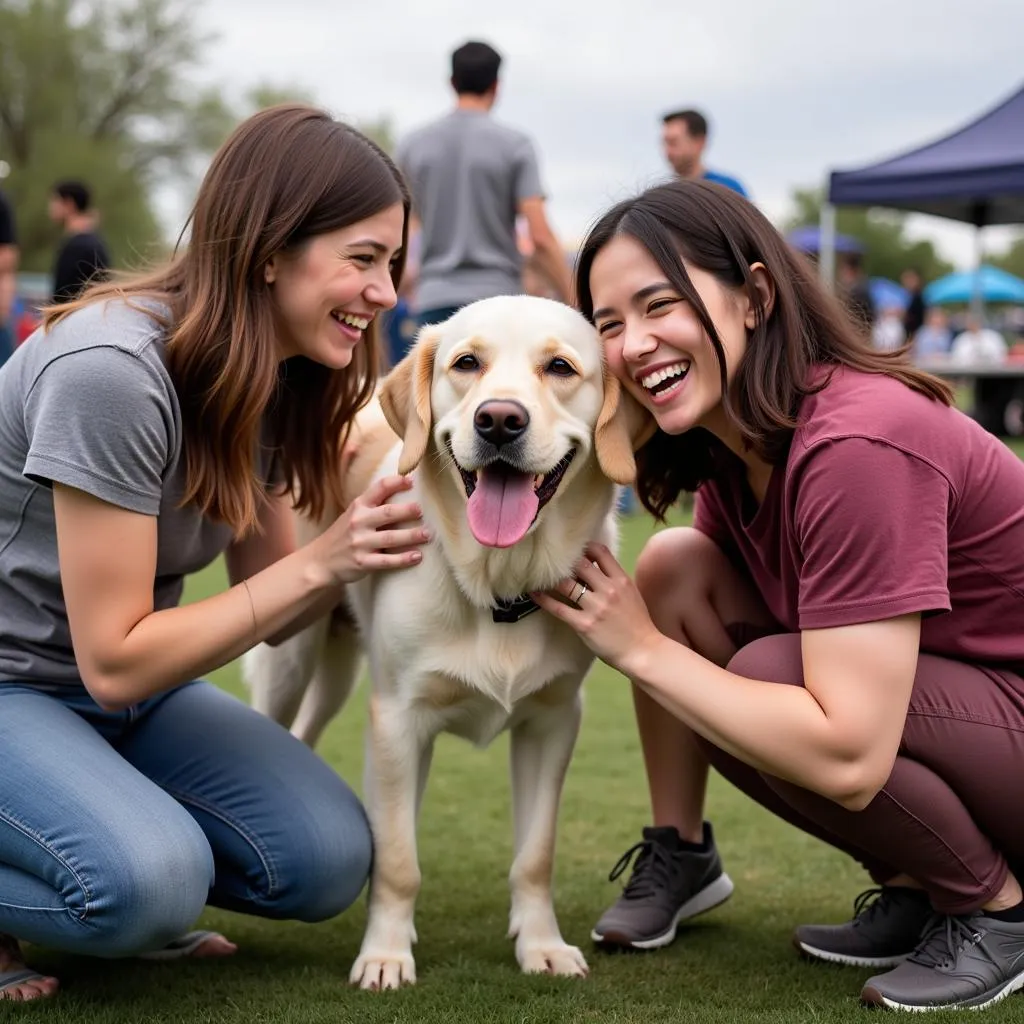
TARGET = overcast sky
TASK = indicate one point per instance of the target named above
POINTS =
(792, 88)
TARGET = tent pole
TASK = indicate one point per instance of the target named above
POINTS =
(977, 295)
(827, 245)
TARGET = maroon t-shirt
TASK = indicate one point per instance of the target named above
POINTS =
(889, 503)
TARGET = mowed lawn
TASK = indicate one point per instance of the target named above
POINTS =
(735, 964)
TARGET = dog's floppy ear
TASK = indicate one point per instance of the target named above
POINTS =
(405, 398)
(623, 425)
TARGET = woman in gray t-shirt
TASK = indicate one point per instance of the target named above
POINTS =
(147, 428)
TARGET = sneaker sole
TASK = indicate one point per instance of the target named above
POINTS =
(709, 897)
(870, 996)
(846, 959)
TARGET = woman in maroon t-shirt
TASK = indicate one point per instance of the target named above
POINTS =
(855, 537)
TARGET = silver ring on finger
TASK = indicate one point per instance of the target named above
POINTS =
(578, 591)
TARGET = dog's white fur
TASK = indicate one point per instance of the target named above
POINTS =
(438, 662)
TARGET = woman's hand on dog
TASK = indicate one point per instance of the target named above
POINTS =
(611, 616)
(373, 534)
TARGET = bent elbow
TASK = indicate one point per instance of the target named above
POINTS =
(857, 800)
(857, 787)
(105, 692)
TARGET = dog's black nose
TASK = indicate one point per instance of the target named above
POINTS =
(501, 421)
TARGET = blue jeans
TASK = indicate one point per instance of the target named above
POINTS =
(117, 828)
(6, 343)
(438, 315)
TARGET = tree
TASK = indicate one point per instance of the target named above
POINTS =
(104, 91)
(1012, 259)
(99, 90)
(887, 250)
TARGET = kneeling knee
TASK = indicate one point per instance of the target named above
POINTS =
(324, 869)
(675, 560)
(154, 896)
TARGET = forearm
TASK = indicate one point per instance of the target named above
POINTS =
(6, 297)
(324, 605)
(778, 729)
(552, 262)
(170, 647)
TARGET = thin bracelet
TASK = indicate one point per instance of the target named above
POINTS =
(252, 608)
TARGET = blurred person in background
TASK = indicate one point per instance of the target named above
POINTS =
(82, 256)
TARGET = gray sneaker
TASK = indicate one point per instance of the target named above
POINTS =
(671, 882)
(887, 926)
(967, 962)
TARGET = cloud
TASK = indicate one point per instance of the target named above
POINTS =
(792, 89)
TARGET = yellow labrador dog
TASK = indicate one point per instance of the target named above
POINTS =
(515, 435)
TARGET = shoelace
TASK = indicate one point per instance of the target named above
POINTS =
(652, 871)
(869, 903)
(943, 939)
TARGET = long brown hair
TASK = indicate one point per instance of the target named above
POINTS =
(722, 233)
(284, 176)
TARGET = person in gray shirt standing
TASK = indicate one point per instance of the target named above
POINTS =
(471, 178)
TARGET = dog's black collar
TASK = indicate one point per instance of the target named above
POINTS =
(514, 608)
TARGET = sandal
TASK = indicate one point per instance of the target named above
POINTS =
(182, 947)
(18, 973)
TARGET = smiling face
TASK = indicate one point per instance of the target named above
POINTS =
(656, 345)
(516, 394)
(326, 294)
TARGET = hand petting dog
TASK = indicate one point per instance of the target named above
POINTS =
(605, 608)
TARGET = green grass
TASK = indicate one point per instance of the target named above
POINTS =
(734, 965)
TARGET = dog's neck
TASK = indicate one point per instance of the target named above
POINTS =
(502, 578)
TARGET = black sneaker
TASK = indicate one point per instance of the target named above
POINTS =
(968, 962)
(886, 928)
(671, 882)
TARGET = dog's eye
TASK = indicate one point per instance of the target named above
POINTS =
(466, 364)
(561, 367)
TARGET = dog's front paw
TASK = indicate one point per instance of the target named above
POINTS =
(376, 969)
(551, 958)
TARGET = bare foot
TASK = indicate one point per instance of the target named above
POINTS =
(12, 960)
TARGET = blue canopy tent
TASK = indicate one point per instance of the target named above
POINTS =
(995, 285)
(886, 294)
(808, 239)
(975, 175)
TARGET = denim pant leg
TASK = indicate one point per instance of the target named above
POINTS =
(6, 343)
(289, 838)
(438, 315)
(94, 858)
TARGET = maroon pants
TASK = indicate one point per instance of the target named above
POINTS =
(952, 812)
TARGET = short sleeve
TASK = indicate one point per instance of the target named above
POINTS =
(709, 516)
(101, 420)
(527, 172)
(871, 524)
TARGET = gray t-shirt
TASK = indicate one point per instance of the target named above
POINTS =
(468, 174)
(89, 404)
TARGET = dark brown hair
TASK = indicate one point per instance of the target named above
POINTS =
(719, 231)
(284, 176)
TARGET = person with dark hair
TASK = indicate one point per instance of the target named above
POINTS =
(914, 314)
(471, 178)
(855, 291)
(839, 633)
(158, 422)
(684, 135)
(8, 276)
(82, 257)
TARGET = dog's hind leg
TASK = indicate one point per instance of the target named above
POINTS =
(334, 677)
(277, 677)
(540, 750)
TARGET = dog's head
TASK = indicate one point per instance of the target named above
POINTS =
(514, 394)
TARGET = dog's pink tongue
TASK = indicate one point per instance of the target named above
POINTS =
(502, 507)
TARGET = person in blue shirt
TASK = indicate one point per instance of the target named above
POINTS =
(683, 137)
